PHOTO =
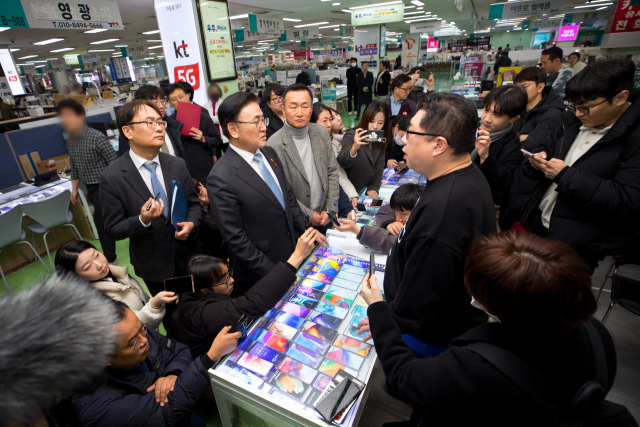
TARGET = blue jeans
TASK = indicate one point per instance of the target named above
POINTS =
(423, 349)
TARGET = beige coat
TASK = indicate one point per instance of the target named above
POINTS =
(343, 179)
(128, 290)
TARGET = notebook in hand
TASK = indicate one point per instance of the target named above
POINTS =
(189, 115)
(179, 205)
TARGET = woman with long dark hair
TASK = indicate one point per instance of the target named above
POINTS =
(364, 162)
(83, 259)
(538, 293)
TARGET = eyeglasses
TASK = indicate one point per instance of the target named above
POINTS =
(584, 110)
(257, 124)
(410, 132)
(150, 124)
(406, 89)
(226, 281)
(143, 333)
(277, 100)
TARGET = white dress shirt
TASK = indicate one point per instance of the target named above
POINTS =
(586, 139)
(167, 141)
(248, 157)
(146, 174)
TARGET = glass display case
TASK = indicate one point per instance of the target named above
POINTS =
(289, 356)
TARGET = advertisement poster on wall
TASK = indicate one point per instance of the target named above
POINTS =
(624, 17)
(473, 69)
(300, 54)
(366, 41)
(217, 41)
(568, 32)
(11, 72)
(410, 49)
(432, 45)
(181, 45)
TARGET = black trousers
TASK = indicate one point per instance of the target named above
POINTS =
(107, 243)
(155, 287)
(352, 94)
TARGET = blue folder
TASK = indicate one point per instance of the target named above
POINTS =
(179, 205)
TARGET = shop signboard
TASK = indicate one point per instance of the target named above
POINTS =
(89, 58)
(259, 24)
(181, 45)
(246, 36)
(624, 17)
(216, 40)
(11, 72)
(286, 46)
(307, 33)
(377, 15)
(346, 30)
(383, 43)
(432, 45)
(62, 15)
(137, 51)
(300, 54)
(59, 64)
(425, 27)
(28, 69)
(524, 9)
(568, 32)
(410, 49)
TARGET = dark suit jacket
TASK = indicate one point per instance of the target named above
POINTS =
(258, 232)
(154, 250)
(362, 81)
(382, 83)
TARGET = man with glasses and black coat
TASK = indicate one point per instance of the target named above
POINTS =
(587, 171)
(274, 110)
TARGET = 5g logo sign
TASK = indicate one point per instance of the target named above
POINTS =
(189, 74)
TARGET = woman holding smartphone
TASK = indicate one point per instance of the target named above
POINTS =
(363, 161)
(201, 315)
(83, 259)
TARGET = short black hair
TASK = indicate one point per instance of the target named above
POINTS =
(405, 197)
(187, 88)
(298, 87)
(175, 86)
(399, 80)
(231, 108)
(451, 116)
(318, 109)
(403, 122)
(500, 48)
(271, 89)
(120, 308)
(505, 53)
(128, 111)
(604, 78)
(215, 85)
(575, 53)
(386, 64)
(148, 93)
(104, 83)
(207, 271)
(554, 53)
(510, 100)
(353, 59)
(532, 74)
(364, 62)
(71, 104)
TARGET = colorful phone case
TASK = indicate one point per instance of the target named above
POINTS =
(330, 367)
(337, 301)
(289, 319)
(341, 292)
(332, 310)
(352, 345)
(355, 320)
(274, 341)
(321, 382)
(297, 370)
(313, 284)
(255, 364)
(359, 310)
(269, 314)
(320, 331)
(325, 320)
(296, 310)
(283, 330)
(345, 357)
(361, 301)
(313, 343)
(304, 301)
(289, 385)
(304, 355)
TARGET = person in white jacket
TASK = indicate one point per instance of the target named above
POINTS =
(215, 99)
(84, 260)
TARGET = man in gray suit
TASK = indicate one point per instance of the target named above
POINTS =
(307, 158)
(127, 190)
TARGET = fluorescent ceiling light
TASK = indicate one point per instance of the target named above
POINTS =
(48, 42)
(105, 41)
(154, 41)
(239, 16)
(51, 59)
(270, 40)
(4, 29)
(30, 56)
(38, 66)
(101, 50)
(413, 13)
(336, 29)
(422, 19)
(97, 30)
(155, 47)
(151, 32)
(14, 50)
(376, 4)
(292, 19)
(600, 8)
(311, 25)
(335, 4)
(330, 26)
(346, 11)
(26, 63)
(38, 61)
(409, 7)
(121, 45)
(419, 8)
(417, 2)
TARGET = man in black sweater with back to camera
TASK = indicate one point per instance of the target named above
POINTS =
(423, 281)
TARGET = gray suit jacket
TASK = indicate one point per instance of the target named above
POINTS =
(324, 157)
(154, 250)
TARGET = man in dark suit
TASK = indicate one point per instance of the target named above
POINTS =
(352, 87)
(255, 208)
(364, 81)
(127, 190)
(201, 143)
(383, 80)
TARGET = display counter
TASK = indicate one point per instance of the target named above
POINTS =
(290, 355)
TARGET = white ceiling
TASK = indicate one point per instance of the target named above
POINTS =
(138, 16)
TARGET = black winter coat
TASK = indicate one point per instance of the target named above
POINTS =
(541, 120)
(502, 61)
(200, 317)
(459, 387)
(352, 74)
(365, 80)
(200, 154)
(124, 400)
(275, 122)
(599, 196)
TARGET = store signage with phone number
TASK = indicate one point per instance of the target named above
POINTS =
(64, 15)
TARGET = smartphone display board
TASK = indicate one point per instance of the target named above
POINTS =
(179, 285)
